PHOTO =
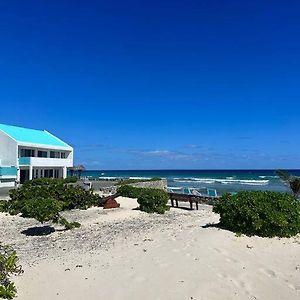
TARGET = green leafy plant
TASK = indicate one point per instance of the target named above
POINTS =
(153, 201)
(71, 179)
(44, 198)
(70, 196)
(43, 210)
(4, 205)
(8, 266)
(68, 225)
(266, 214)
(292, 181)
(129, 191)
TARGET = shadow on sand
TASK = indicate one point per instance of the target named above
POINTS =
(38, 231)
(214, 225)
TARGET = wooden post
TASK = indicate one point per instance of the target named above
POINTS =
(191, 204)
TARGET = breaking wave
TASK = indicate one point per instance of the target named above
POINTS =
(227, 180)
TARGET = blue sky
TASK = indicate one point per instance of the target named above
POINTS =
(156, 84)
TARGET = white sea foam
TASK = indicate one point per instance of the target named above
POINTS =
(140, 178)
(223, 181)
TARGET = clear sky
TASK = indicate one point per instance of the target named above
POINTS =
(156, 84)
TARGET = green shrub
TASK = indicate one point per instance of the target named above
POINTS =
(68, 225)
(70, 196)
(129, 191)
(266, 214)
(4, 204)
(41, 209)
(8, 266)
(72, 179)
(153, 201)
(44, 198)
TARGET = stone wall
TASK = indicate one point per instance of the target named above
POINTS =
(112, 189)
(158, 184)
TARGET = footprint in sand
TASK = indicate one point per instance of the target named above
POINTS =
(231, 260)
(268, 272)
(139, 279)
(163, 265)
(241, 285)
(221, 251)
(176, 250)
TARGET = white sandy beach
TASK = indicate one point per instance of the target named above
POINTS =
(127, 254)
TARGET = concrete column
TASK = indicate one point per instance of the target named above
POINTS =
(64, 172)
(18, 175)
(30, 172)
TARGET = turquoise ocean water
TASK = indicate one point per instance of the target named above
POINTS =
(221, 180)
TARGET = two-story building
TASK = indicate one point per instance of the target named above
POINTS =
(28, 153)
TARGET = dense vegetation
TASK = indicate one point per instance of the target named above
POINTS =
(130, 181)
(293, 182)
(265, 214)
(129, 191)
(153, 201)
(44, 199)
(150, 200)
(8, 266)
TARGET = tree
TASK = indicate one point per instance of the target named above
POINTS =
(292, 181)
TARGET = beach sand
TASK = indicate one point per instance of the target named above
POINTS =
(126, 254)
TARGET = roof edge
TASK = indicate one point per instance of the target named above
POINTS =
(57, 138)
(8, 135)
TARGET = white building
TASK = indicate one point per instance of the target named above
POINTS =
(27, 153)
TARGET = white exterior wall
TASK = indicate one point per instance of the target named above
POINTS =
(8, 151)
(9, 156)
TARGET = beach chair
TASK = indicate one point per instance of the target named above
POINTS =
(212, 193)
(195, 192)
(187, 191)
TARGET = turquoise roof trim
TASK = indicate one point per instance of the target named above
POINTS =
(32, 136)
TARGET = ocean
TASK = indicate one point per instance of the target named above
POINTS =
(221, 180)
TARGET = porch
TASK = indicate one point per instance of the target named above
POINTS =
(30, 172)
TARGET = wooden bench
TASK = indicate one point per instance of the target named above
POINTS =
(174, 197)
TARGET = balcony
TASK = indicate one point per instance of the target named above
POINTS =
(8, 172)
(45, 162)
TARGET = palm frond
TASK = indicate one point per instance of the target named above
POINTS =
(283, 175)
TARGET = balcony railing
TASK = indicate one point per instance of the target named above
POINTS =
(8, 171)
(24, 161)
(45, 162)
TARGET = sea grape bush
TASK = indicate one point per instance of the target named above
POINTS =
(129, 191)
(150, 200)
(8, 266)
(265, 214)
(44, 198)
(153, 201)
(41, 209)
(70, 196)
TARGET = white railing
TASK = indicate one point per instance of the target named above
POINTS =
(45, 162)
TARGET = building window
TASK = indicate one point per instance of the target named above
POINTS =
(54, 154)
(56, 173)
(42, 153)
(27, 153)
(63, 155)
